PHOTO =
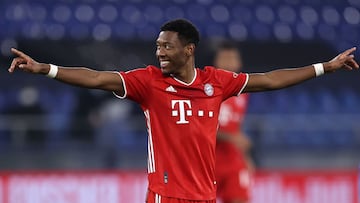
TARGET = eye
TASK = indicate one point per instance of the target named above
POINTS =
(165, 46)
(168, 46)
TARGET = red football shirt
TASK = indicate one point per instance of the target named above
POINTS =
(232, 113)
(231, 117)
(182, 121)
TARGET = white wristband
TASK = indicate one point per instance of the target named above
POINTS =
(319, 69)
(53, 71)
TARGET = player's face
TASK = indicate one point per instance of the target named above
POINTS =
(228, 59)
(171, 53)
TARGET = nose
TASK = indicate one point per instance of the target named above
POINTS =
(160, 51)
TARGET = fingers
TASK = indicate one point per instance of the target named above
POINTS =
(20, 53)
(348, 66)
(16, 62)
(352, 63)
(19, 61)
(348, 59)
(12, 66)
(349, 51)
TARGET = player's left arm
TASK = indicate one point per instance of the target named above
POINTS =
(282, 78)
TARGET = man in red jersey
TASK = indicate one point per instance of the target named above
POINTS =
(233, 165)
(181, 104)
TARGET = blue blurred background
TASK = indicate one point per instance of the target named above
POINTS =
(48, 125)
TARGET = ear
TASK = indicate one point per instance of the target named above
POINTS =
(190, 49)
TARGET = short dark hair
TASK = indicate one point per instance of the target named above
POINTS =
(187, 32)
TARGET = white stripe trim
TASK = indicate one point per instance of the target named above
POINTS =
(124, 85)
(151, 160)
(187, 84)
(243, 87)
(157, 198)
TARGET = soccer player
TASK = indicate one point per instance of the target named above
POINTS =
(181, 104)
(233, 165)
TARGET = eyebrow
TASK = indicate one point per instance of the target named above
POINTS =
(163, 42)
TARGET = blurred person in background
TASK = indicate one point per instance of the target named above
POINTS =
(22, 133)
(181, 104)
(233, 163)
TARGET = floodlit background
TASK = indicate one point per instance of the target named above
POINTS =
(46, 126)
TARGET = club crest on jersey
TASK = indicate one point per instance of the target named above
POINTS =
(208, 89)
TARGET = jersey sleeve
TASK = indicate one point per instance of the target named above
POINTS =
(233, 83)
(136, 84)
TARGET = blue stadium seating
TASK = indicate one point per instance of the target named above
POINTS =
(336, 22)
(299, 118)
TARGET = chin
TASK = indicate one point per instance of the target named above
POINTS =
(166, 71)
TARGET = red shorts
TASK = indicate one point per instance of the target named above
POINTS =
(152, 197)
(234, 186)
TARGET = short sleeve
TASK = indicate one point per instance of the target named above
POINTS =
(136, 84)
(233, 83)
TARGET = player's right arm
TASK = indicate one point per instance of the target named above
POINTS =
(78, 76)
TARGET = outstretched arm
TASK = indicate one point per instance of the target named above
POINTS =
(78, 76)
(282, 78)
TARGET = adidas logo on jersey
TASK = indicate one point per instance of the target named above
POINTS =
(170, 89)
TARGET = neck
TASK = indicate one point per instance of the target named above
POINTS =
(187, 75)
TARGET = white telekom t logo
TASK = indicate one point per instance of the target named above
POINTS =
(181, 112)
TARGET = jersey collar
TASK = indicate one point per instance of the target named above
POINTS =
(184, 83)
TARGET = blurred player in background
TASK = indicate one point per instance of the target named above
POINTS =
(181, 104)
(233, 164)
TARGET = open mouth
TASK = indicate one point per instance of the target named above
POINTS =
(163, 64)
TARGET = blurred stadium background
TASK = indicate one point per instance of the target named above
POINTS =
(306, 138)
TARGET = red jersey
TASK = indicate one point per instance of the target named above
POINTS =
(231, 117)
(182, 122)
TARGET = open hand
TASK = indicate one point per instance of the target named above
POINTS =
(343, 60)
(26, 63)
